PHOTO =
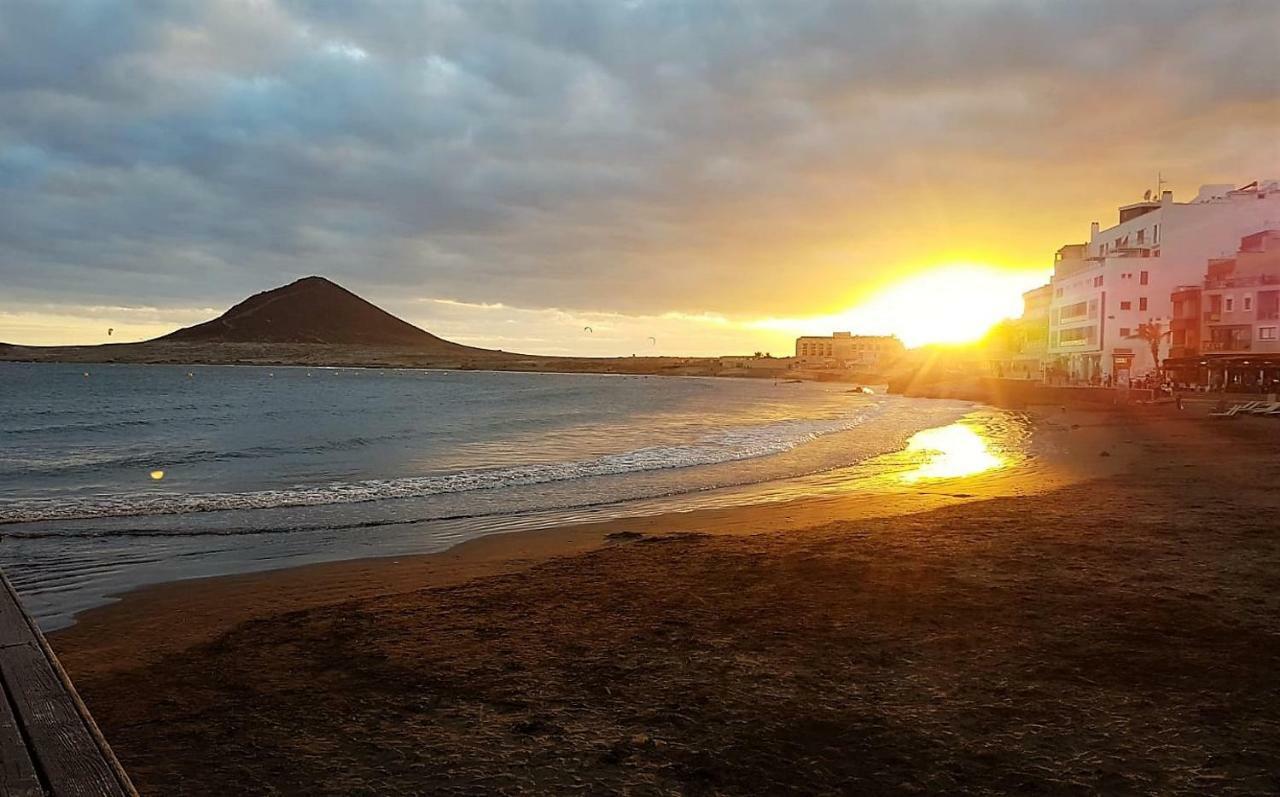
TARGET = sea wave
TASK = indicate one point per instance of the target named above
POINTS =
(726, 446)
(91, 462)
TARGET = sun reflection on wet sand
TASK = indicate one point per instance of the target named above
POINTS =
(960, 449)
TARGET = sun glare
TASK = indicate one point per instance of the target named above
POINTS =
(950, 452)
(953, 303)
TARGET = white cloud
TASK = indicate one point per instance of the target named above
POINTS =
(639, 159)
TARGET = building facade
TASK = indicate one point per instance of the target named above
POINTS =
(1032, 334)
(1126, 275)
(1226, 331)
(846, 350)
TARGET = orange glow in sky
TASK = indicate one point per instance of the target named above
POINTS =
(955, 303)
(948, 303)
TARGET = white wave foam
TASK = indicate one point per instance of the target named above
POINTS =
(727, 446)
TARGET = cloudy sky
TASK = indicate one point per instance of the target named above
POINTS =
(720, 175)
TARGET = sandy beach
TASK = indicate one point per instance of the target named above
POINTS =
(1080, 623)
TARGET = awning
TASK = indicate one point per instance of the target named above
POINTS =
(1269, 360)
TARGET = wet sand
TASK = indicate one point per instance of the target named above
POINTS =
(1079, 624)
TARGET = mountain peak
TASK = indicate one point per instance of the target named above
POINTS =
(309, 310)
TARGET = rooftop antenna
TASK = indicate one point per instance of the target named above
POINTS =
(1160, 181)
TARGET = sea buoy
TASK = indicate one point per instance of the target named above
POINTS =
(157, 475)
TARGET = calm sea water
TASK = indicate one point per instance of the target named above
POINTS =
(116, 476)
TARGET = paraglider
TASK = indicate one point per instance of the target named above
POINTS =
(588, 329)
(110, 330)
(653, 341)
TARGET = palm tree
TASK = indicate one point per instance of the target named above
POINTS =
(1152, 333)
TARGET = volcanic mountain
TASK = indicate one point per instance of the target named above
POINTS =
(315, 322)
(310, 310)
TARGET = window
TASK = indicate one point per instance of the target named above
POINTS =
(1097, 281)
(1248, 302)
(1077, 310)
(1142, 234)
(1126, 305)
(1266, 333)
(1231, 303)
(1155, 234)
(1124, 332)
(1142, 303)
(1142, 278)
(1075, 337)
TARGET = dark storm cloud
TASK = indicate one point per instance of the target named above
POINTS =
(619, 156)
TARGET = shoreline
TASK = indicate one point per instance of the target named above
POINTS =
(300, 355)
(1064, 450)
(1112, 630)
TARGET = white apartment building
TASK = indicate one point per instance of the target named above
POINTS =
(1125, 274)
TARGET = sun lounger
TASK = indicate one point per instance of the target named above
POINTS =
(1264, 408)
(1236, 410)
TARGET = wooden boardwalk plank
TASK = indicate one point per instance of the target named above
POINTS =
(64, 750)
(17, 772)
(14, 626)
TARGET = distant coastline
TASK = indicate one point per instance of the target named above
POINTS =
(317, 355)
(316, 322)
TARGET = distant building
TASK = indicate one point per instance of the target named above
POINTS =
(1225, 332)
(1125, 275)
(846, 350)
(1032, 331)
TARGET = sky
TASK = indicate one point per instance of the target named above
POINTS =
(720, 176)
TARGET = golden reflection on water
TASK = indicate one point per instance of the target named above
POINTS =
(952, 451)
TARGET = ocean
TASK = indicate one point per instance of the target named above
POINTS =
(117, 476)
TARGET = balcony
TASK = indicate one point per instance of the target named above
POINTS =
(1212, 316)
(1248, 281)
(1269, 315)
(1228, 345)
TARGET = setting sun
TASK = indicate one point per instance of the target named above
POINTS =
(952, 303)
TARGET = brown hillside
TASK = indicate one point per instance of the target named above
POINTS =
(310, 310)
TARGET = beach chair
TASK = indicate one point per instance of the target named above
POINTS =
(1234, 411)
